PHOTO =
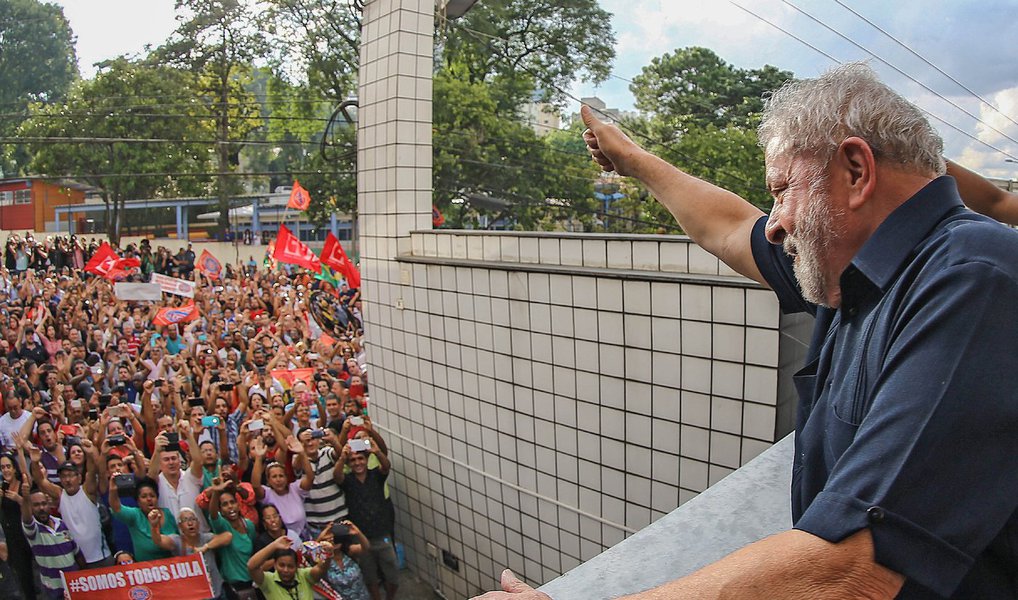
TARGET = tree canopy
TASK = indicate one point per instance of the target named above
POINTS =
(37, 64)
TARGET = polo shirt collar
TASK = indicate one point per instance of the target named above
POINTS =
(884, 254)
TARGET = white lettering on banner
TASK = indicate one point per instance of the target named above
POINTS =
(151, 575)
(95, 583)
(182, 570)
(173, 285)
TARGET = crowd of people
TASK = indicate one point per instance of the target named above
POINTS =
(242, 435)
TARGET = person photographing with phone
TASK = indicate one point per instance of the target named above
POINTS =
(287, 582)
(372, 513)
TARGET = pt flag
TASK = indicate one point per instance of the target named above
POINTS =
(292, 251)
(103, 261)
(179, 578)
(300, 199)
(334, 256)
(209, 265)
(171, 315)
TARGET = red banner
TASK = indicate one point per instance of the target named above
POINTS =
(292, 376)
(176, 314)
(179, 578)
(292, 251)
(299, 197)
(209, 265)
(334, 256)
(103, 261)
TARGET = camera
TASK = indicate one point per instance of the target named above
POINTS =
(116, 440)
(72, 440)
(93, 414)
(210, 421)
(104, 400)
(359, 445)
(226, 387)
(126, 483)
(357, 421)
(317, 434)
(256, 425)
(196, 401)
(159, 382)
(172, 441)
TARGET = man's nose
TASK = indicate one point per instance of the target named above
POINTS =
(774, 231)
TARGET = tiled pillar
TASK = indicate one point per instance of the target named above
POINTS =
(393, 147)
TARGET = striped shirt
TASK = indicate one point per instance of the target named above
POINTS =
(54, 551)
(326, 501)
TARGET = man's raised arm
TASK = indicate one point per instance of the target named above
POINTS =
(716, 219)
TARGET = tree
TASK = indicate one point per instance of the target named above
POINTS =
(702, 113)
(519, 46)
(218, 41)
(694, 87)
(37, 64)
(317, 42)
(486, 165)
(95, 110)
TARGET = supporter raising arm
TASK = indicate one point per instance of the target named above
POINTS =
(287, 582)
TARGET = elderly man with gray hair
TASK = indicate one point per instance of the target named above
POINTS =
(903, 478)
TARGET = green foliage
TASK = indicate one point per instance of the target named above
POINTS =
(37, 64)
(701, 114)
(520, 45)
(217, 41)
(121, 171)
(500, 165)
(317, 43)
(498, 57)
(693, 87)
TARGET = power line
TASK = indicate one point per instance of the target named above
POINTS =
(895, 67)
(101, 140)
(928, 113)
(925, 60)
(184, 174)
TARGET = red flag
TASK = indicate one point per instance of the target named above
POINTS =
(209, 265)
(334, 256)
(171, 315)
(127, 263)
(292, 251)
(103, 261)
(299, 197)
(292, 376)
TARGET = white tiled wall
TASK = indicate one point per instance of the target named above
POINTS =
(543, 396)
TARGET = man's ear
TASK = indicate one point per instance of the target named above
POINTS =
(858, 168)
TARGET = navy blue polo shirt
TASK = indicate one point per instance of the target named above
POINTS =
(908, 403)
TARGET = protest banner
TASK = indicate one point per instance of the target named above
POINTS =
(171, 315)
(172, 285)
(179, 578)
(138, 291)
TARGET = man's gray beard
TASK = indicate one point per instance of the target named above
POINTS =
(814, 232)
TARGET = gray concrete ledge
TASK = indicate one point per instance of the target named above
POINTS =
(748, 505)
(608, 272)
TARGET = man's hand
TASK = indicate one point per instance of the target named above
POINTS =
(514, 589)
(608, 146)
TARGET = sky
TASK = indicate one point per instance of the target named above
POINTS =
(971, 41)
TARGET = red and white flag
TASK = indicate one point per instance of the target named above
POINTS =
(171, 315)
(300, 199)
(335, 257)
(292, 251)
(103, 261)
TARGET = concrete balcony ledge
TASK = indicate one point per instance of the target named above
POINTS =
(749, 504)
